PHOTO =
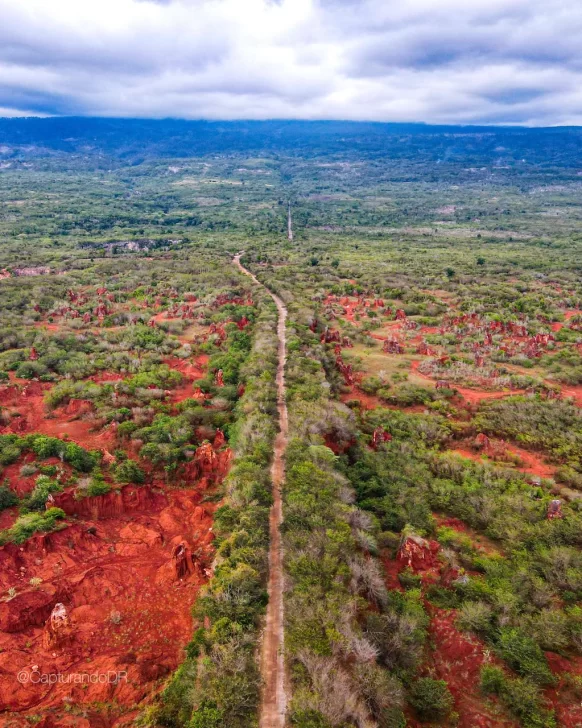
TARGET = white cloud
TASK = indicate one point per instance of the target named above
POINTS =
(442, 61)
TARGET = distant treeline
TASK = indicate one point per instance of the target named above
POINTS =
(137, 139)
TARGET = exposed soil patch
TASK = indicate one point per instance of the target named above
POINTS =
(567, 705)
(127, 596)
(127, 567)
(529, 462)
(458, 658)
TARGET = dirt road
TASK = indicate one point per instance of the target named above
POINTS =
(273, 699)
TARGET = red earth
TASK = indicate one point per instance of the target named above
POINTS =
(458, 657)
(473, 396)
(567, 706)
(367, 401)
(127, 566)
(530, 462)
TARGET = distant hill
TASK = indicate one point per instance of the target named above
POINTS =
(135, 139)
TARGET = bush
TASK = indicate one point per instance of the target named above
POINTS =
(475, 617)
(129, 471)
(9, 454)
(431, 699)
(96, 487)
(207, 716)
(525, 656)
(29, 469)
(37, 498)
(523, 699)
(8, 498)
(519, 695)
(79, 458)
(492, 679)
(31, 523)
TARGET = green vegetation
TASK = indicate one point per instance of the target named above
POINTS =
(125, 324)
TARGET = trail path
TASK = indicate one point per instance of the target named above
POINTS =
(289, 225)
(273, 700)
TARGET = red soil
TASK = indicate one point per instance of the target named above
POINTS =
(392, 568)
(106, 377)
(122, 561)
(574, 392)
(567, 706)
(367, 401)
(479, 540)
(531, 463)
(191, 370)
(127, 565)
(473, 396)
(27, 404)
(458, 658)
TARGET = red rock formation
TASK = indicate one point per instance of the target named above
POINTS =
(379, 436)
(108, 458)
(392, 346)
(481, 442)
(218, 378)
(417, 553)
(424, 349)
(219, 440)
(57, 629)
(206, 459)
(345, 370)
(555, 509)
(182, 558)
(330, 336)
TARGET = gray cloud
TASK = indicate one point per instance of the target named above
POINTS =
(441, 61)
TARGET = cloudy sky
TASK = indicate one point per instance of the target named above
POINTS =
(439, 61)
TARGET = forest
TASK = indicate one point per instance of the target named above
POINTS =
(431, 525)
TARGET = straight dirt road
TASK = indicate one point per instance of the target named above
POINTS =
(273, 699)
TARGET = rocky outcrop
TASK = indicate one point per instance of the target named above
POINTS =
(58, 630)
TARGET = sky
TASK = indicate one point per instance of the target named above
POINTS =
(437, 61)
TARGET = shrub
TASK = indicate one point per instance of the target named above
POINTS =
(409, 579)
(36, 500)
(519, 695)
(129, 471)
(30, 523)
(523, 699)
(28, 469)
(475, 617)
(492, 679)
(97, 486)
(8, 497)
(431, 699)
(207, 716)
(9, 454)
(525, 656)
